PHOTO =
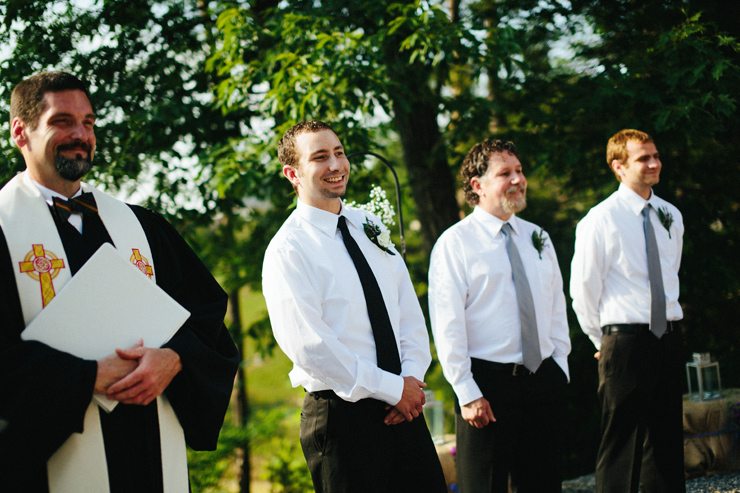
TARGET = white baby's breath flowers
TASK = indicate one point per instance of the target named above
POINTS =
(378, 205)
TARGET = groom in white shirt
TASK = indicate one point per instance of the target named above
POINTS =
(501, 332)
(357, 339)
(628, 306)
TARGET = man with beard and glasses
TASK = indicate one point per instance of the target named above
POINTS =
(343, 309)
(624, 285)
(498, 317)
(51, 224)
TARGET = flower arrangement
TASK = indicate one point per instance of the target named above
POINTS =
(378, 205)
(381, 207)
(539, 241)
(735, 416)
(453, 487)
(666, 219)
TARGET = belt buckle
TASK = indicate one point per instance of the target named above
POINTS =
(516, 373)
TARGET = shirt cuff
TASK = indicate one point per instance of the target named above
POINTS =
(596, 339)
(467, 391)
(390, 389)
(562, 362)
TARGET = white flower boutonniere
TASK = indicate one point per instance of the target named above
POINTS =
(666, 219)
(380, 238)
(539, 240)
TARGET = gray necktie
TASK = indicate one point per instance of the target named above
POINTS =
(530, 339)
(657, 293)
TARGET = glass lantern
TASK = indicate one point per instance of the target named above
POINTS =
(703, 377)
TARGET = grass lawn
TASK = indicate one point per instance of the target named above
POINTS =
(271, 397)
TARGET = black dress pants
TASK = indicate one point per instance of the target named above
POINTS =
(526, 439)
(640, 379)
(349, 449)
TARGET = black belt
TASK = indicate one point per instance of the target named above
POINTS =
(513, 369)
(635, 328)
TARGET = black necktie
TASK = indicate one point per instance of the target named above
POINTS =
(84, 204)
(385, 342)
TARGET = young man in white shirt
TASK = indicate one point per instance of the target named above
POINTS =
(360, 350)
(632, 318)
(509, 412)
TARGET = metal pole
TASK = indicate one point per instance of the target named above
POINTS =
(398, 194)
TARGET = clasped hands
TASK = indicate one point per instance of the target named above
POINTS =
(411, 404)
(136, 375)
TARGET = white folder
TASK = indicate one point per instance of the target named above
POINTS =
(108, 304)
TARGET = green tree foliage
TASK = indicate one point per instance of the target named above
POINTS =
(418, 82)
(143, 60)
(371, 68)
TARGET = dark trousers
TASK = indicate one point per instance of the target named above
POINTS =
(526, 439)
(349, 449)
(642, 414)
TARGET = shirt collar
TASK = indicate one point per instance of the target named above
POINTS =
(493, 223)
(48, 193)
(633, 200)
(326, 221)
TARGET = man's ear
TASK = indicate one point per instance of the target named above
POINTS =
(291, 174)
(18, 132)
(617, 167)
(476, 185)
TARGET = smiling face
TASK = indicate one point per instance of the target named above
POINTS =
(641, 170)
(59, 150)
(321, 175)
(502, 190)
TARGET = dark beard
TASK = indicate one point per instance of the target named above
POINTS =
(73, 169)
(333, 195)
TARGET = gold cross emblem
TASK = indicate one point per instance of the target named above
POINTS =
(142, 263)
(43, 266)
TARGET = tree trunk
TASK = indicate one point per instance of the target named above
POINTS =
(431, 180)
(415, 108)
(241, 401)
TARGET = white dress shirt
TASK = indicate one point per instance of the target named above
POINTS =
(473, 304)
(609, 275)
(75, 218)
(318, 312)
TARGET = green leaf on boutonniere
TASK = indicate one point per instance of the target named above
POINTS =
(539, 240)
(666, 219)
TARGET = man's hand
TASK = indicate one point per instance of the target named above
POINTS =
(597, 355)
(156, 369)
(113, 368)
(411, 404)
(478, 413)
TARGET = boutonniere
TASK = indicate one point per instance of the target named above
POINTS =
(666, 219)
(380, 238)
(539, 240)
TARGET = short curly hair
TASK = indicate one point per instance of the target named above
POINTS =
(476, 164)
(288, 154)
(27, 99)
